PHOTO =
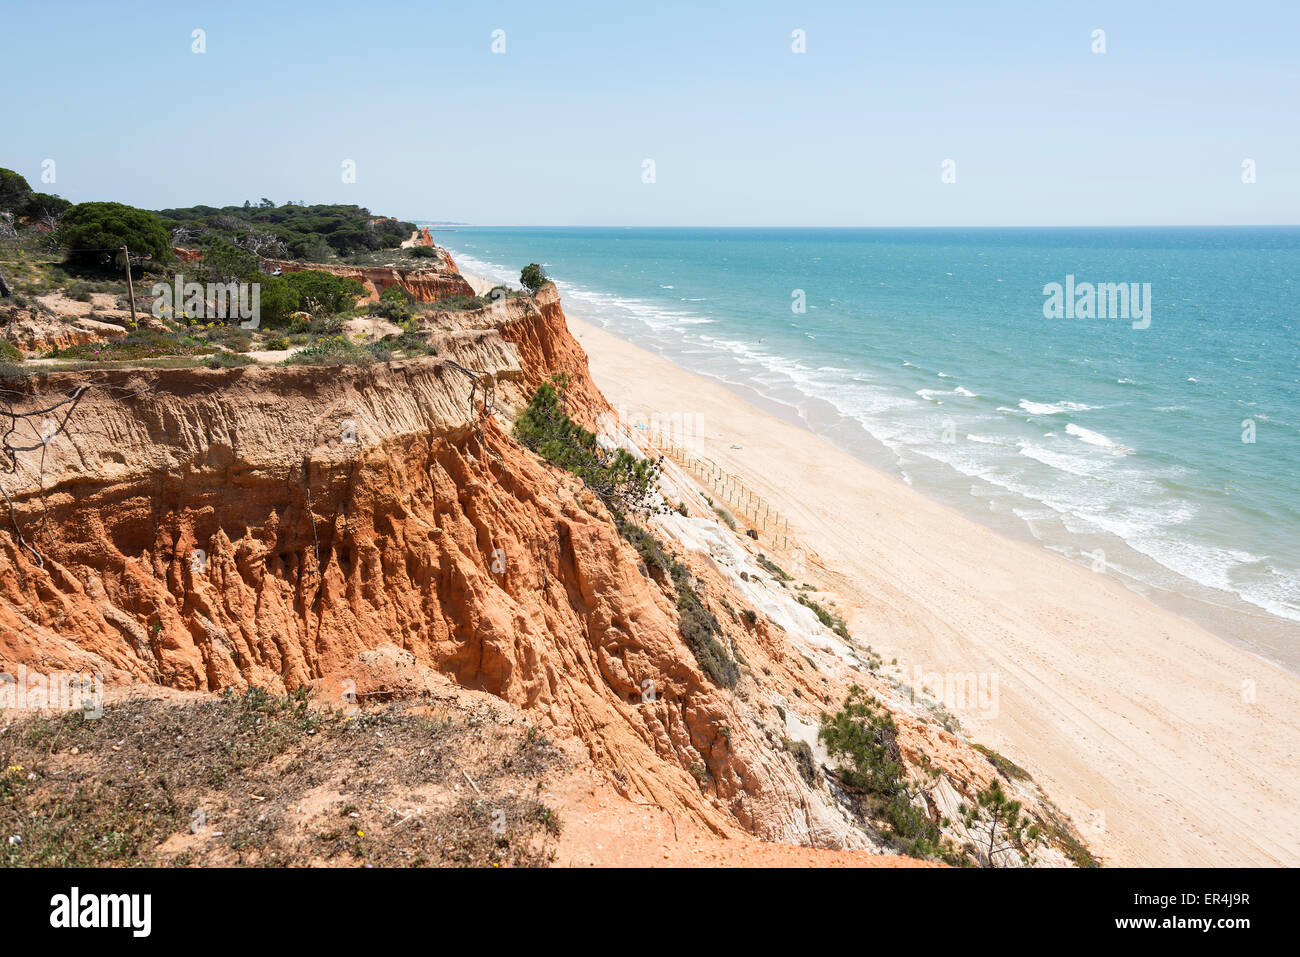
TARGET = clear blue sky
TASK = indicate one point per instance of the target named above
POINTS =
(742, 130)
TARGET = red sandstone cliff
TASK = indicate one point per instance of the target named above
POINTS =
(206, 529)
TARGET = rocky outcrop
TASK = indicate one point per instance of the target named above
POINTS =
(425, 285)
(523, 341)
(421, 237)
(36, 334)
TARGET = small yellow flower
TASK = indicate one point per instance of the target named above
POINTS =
(361, 833)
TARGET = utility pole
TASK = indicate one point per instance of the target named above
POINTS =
(130, 286)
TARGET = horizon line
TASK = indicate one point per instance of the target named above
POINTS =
(433, 222)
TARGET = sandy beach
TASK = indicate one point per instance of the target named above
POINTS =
(1166, 744)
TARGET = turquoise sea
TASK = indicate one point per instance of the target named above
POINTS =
(1172, 447)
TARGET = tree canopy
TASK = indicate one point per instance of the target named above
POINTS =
(91, 230)
(14, 192)
(308, 233)
(18, 197)
(533, 277)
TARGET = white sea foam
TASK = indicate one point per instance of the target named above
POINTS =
(930, 395)
(1054, 408)
(1061, 461)
(1095, 438)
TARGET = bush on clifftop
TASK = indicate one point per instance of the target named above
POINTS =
(93, 232)
(533, 277)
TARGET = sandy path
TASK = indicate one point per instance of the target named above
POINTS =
(604, 829)
(1164, 743)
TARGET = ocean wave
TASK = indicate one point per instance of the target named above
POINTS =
(1235, 571)
(1054, 408)
(1095, 438)
(1062, 461)
(930, 395)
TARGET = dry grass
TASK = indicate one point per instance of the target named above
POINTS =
(255, 779)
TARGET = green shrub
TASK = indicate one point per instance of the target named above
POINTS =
(862, 734)
(836, 625)
(1007, 830)
(1005, 766)
(46, 206)
(622, 481)
(461, 303)
(276, 344)
(332, 351)
(229, 360)
(79, 291)
(774, 569)
(323, 292)
(408, 343)
(321, 326)
(232, 337)
(223, 263)
(92, 232)
(395, 304)
(137, 344)
(278, 301)
(422, 252)
(699, 628)
(10, 352)
(803, 759)
(533, 277)
(647, 547)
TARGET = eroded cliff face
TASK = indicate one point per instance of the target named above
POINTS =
(209, 529)
(206, 529)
